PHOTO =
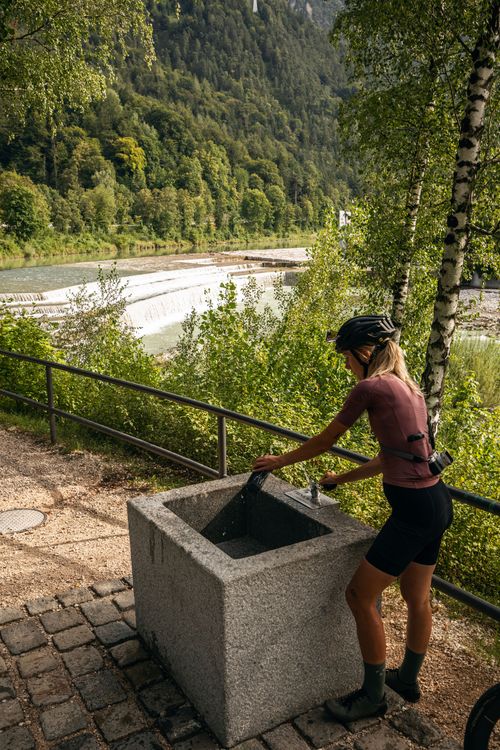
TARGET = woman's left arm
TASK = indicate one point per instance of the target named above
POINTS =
(369, 469)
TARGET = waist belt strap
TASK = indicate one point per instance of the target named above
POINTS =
(403, 454)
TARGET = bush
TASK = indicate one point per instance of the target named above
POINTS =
(481, 359)
(24, 335)
(23, 208)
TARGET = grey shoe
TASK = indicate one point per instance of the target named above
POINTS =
(356, 705)
(410, 691)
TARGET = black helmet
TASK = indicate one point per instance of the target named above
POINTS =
(362, 330)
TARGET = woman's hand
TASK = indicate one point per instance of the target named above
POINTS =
(268, 463)
(329, 477)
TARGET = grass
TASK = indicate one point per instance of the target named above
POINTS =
(61, 248)
(481, 358)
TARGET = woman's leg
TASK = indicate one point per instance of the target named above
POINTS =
(415, 584)
(362, 594)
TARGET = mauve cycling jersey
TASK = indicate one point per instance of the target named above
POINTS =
(394, 412)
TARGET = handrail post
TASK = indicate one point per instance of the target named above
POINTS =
(222, 446)
(50, 403)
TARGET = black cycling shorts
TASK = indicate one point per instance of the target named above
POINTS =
(414, 530)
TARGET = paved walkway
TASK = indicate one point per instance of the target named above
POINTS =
(75, 676)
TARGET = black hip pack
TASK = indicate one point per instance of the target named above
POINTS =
(437, 461)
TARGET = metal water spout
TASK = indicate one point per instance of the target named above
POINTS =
(314, 490)
(311, 496)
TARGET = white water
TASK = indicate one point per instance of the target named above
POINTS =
(156, 302)
(150, 312)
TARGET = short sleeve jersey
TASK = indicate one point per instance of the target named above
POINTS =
(394, 412)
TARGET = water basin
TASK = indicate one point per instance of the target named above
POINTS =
(242, 599)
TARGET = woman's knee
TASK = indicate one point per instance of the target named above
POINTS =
(356, 602)
(415, 600)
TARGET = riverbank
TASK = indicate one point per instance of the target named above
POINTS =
(84, 539)
(69, 249)
(480, 311)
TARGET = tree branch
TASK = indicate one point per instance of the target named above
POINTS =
(463, 44)
(32, 32)
(486, 232)
(452, 94)
(486, 162)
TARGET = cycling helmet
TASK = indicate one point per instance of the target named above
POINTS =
(362, 330)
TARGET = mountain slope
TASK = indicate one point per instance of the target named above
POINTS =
(320, 12)
(233, 129)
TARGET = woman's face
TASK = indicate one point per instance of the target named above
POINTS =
(352, 363)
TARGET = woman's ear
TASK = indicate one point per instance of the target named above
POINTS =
(365, 352)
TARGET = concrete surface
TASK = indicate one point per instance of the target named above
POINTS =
(253, 640)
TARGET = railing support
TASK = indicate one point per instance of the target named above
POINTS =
(50, 403)
(222, 446)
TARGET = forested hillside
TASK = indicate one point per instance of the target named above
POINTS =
(231, 131)
(320, 12)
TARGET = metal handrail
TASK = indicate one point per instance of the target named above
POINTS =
(469, 498)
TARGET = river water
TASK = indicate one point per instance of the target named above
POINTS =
(160, 290)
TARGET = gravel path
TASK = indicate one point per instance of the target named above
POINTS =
(84, 539)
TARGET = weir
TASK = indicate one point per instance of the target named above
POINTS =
(154, 300)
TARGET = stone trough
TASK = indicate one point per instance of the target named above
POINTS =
(243, 600)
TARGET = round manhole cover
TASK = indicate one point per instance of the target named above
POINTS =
(20, 520)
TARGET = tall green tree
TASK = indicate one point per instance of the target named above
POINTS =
(23, 208)
(414, 62)
(400, 121)
(46, 60)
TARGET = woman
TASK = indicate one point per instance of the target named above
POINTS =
(408, 544)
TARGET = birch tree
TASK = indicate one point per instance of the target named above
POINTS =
(411, 63)
(417, 170)
(484, 69)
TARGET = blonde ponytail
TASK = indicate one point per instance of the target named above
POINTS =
(391, 360)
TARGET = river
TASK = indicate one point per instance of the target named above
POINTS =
(160, 290)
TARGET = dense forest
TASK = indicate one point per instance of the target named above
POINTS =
(231, 130)
(320, 12)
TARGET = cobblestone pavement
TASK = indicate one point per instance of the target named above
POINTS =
(75, 676)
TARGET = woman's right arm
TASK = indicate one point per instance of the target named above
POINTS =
(313, 447)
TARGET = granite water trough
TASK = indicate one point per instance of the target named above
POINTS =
(243, 600)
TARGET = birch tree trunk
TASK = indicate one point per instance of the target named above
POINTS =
(456, 241)
(413, 198)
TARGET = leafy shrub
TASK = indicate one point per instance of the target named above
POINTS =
(23, 208)
(479, 358)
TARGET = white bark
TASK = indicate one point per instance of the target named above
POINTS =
(413, 198)
(456, 241)
(400, 286)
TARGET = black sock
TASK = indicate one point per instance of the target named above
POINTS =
(409, 669)
(374, 681)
